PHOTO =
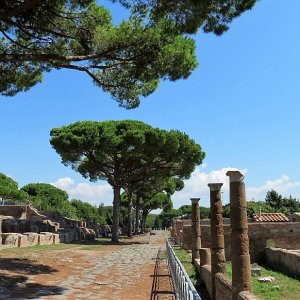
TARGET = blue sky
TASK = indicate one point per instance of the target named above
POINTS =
(241, 105)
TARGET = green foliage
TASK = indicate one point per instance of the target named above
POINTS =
(150, 221)
(9, 190)
(49, 198)
(186, 212)
(273, 199)
(256, 207)
(189, 15)
(127, 60)
(204, 212)
(125, 153)
(186, 261)
(280, 204)
(274, 202)
(87, 212)
(164, 219)
(106, 214)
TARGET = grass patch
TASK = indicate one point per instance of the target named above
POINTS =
(186, 261)
(283, 288)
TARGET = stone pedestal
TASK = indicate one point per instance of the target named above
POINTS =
(240, 258)
(205, 256)
(196, 230)
(217, 234)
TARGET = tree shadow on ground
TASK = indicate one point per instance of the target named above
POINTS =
(162, 284)
(14, 280)
(24, 266)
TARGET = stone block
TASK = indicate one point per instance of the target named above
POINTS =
(48, 238)
(32, 238)
(266, 279)
(41, 239)
(22, 240)
(10, 239)
(255, 271)
(56, 239)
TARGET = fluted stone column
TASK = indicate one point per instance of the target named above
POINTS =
(196, 231)
(217, 234)
(240, 258)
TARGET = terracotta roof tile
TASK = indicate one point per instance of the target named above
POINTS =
(270, 217)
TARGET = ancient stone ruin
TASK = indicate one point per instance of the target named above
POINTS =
(267, 237)
(22, 225)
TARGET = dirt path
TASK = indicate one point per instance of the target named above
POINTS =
(135, 269)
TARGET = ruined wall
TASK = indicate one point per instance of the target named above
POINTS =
(286, 261)
(223, 287)
(280, 235)
(16, 211)
(187, 237)
(177, 229)
(223, 284)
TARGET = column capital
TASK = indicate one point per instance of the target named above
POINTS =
(195, 200)
(235, 176)
(215, 186)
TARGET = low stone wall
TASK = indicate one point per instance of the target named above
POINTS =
(10, 239)
(28, 239)
(22, 240)
(56, 239)
(223, 287)
(32, 238)
(286, 261)
(223, 284)
(280, 235)
(67, 236)
(47, 239)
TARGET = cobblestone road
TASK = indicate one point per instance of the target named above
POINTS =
(134, 271)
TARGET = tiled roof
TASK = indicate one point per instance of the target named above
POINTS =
(270, 217)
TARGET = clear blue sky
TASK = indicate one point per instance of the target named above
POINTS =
(241, 105)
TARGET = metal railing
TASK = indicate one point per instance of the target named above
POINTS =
(184, 288)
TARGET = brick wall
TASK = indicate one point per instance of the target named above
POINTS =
(186, 237)
(281, 235)
(223, 284)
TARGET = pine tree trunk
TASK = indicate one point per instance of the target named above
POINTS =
(116, 213)
(137, 212)
(129, 215)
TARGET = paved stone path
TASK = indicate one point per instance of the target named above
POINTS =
(136, 271)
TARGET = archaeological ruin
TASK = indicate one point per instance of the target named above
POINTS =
(22, 225)
(269, 238)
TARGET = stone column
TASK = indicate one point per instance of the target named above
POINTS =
(196, 231)
(240, 258)
(217, 235)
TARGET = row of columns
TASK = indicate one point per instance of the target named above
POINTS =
(240, 258)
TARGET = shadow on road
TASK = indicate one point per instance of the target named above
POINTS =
(14, 279)
(162, 285)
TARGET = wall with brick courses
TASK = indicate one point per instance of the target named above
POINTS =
(280, 235)
(187, 237)
(223, 284)
(286, 261)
